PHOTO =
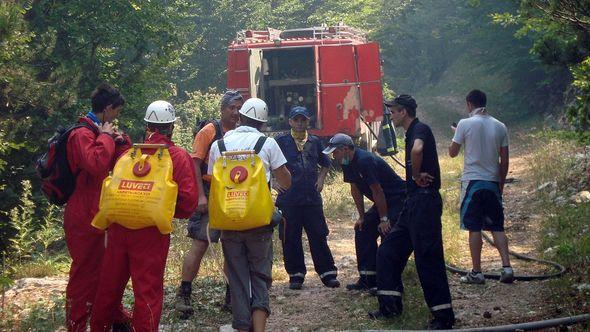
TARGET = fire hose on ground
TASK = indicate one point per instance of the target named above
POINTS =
(560, 268)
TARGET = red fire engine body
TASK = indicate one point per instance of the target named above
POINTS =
(333, 71)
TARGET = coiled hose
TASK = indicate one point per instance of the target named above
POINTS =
(560, 268)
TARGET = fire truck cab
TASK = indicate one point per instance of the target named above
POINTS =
(333, 71)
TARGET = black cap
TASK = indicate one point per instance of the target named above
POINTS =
(298, 110)
(402, 100)
(337, 141)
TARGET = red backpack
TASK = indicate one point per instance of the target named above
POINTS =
(58, 181)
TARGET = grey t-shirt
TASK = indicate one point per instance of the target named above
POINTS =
(482, 137)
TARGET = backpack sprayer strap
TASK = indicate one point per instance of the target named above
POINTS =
(225, 153)
(139, 146)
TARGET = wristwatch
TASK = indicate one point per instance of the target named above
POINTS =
(384, 219)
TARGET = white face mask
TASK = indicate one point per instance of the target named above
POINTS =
(477, 111)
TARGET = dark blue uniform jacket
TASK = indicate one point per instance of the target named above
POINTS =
(304, 167)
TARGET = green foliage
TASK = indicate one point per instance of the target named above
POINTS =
(561, 33)
(199, 106)
(33, 237)
(42, 316)
(579, 111)
(53, 53)
(21, 218)
(440, 50)
(570, 247)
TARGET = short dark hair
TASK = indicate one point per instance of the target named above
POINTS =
(410, 110)
(476, 98)
(162, 128)
(105, 95)
(246, 121)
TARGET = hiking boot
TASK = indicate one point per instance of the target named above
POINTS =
(332, 283)
(473, 278)
(182, 304)
(295, 285)
(507, 275)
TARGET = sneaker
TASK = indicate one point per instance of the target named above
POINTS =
(473, 278)
(507, 275)
(295, 285)
(332, 283)
(182, 304)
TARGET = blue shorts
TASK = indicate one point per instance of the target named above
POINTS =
(481, 207)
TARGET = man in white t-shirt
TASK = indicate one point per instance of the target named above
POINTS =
(485, 142)
(248, 254)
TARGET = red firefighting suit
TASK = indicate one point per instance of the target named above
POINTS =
(141, 254)
(91, 157)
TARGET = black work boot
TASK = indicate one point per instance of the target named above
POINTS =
(386, 312)
(296, 282)
(443, 320)
(359, 285)
(331, 283)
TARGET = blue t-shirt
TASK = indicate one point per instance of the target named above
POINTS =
(366, 169)
(419, 130)
(303, 166)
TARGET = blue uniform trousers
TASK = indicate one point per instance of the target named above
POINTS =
(419, 230)
(365, 241)
(311, 218)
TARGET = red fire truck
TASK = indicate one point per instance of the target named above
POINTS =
(333, 71)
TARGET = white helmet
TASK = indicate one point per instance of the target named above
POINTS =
(255, 108)
(160, 111)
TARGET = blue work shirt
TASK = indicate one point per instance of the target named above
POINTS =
(366, 169)
(419, 130)
(304, 167)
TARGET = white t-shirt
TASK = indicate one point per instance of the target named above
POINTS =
(245, 138)
(482, 137)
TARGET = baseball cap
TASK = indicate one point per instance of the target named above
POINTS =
(229, 97)
(337, 141)
(402, 100)
(298, 110)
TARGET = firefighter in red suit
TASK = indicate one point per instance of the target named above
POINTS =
(141, 253)
(91, 155)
